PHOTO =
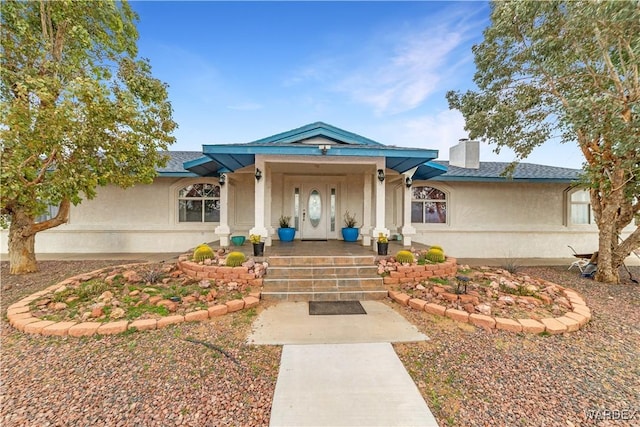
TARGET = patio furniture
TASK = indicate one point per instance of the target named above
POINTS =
(581, 262)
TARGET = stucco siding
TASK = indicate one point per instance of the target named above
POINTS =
(506, 220)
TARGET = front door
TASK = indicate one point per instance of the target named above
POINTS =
(314, 212)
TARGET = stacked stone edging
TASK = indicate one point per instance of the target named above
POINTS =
(411, 273)
(569, 322)
(20, 317)
(240, 275)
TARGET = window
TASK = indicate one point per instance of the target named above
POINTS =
(580, 208)
(428, 205)
(199, 203)
(51, 212)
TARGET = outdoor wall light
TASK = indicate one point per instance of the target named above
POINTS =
(324, 149)
(258, 174)
(380, 175)
(408, 181)
(222, 179)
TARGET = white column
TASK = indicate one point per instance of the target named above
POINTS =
(267, 205)
(408, 231)
(223, 230)
(366, 213)
(381, 202)
(259, 200)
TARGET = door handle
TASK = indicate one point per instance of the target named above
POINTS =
(304, 214)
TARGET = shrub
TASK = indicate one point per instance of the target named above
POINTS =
(349, 220)
(202, 252)
(404, 257)
(235, 259)
(435, 255)
(284, 221)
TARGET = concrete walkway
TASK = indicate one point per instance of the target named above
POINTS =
(341, 370)
(346, 385)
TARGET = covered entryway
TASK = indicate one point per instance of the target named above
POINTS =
(314, 174)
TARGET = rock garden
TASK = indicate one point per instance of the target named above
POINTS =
(201, 285)
(487, 297)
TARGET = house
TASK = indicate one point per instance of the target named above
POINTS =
(316, 173)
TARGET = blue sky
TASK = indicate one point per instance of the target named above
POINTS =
(241, 71)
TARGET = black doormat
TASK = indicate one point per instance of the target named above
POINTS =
(335, 307)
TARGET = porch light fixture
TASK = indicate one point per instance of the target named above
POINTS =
(381, 175)
(258, 174)
(408, 181)
(222, 179)
(324, 149)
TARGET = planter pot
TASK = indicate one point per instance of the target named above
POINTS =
(350, 234)
(258, 249)
(238, 240)
(286, 234)
(383, 248)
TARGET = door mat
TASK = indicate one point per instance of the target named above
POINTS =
(335, 307)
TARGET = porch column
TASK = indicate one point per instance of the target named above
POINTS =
(223, 230)
(408, 231)
(381, 202)
(259, 201)
(366, 212)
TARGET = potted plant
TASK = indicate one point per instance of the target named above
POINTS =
(286, 233)
(258, 244)
(383, 244)
(349, 231)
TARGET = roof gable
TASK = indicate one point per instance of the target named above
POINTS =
(318, 130)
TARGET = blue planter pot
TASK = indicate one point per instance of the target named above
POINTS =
(238, 240)
(350, 234)
(286, 234)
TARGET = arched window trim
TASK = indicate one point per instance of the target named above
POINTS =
(573, 205)
(206, 200)
(446, 202)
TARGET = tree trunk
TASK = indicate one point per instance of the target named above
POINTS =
(22, 256)
(607, 240)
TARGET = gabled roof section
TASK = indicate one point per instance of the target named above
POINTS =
(318, 129)
(231, 157)
(524, 172)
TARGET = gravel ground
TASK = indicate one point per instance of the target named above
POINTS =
(153, 378)
(469, 377)
(473, 378)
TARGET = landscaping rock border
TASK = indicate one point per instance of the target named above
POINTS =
(399, 274)
(579, 315)
(20, 317)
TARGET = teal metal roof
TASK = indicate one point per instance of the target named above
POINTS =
(292, 143)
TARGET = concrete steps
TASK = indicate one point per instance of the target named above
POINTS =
(322, 278)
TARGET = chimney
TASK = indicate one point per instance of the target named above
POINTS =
(466, 154)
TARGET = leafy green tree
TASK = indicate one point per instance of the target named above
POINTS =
(79, 110)
(567, 70)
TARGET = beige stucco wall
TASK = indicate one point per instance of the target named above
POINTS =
(139, 219)
(506, 220)
(503, 220)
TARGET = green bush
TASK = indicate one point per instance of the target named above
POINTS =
(435, 255)
(202, 252)
(404, 257)
(235, 259)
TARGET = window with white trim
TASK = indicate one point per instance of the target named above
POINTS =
(580, 211)
(428, 205)
(199, 202)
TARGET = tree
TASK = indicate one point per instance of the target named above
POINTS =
(79, 110)
(567, 70)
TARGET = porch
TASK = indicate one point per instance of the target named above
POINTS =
(318, 248)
